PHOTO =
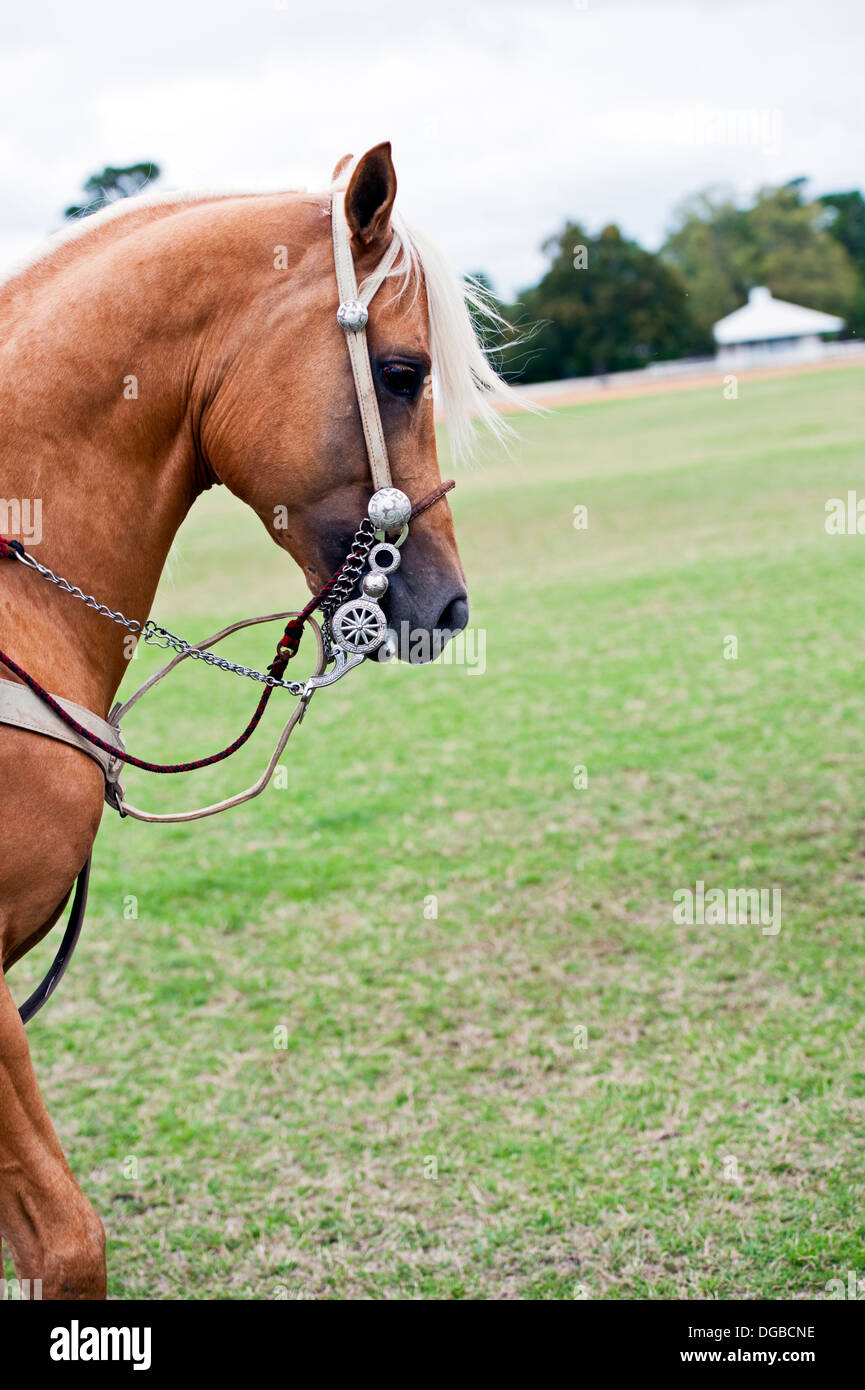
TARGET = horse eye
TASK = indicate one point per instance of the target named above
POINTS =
(401, 379)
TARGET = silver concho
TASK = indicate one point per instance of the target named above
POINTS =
(359, 626)
(389, 509)
(352, 315)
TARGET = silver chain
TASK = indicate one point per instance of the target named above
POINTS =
(89, 601)
(351, 571)
(156, 636)
(352, 565)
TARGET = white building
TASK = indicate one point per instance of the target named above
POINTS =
(767, 330)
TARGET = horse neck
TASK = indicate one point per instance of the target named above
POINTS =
(98, 430)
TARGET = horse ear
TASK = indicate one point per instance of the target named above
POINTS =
(370, 194)
(341, 166)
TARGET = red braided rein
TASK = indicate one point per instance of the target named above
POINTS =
(127, 757)
(287, 648)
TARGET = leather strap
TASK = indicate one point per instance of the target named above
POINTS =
(42, 993)
(120, 711)
(358, 348)
(21, 709)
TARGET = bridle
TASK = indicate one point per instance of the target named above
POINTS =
(352, 625)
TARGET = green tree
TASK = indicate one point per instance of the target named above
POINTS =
(112, 184)
(846, 223)
(798, 257)
(713, 251)
(782, 240)
(604, 305)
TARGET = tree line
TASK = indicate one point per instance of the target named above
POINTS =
(606, 304)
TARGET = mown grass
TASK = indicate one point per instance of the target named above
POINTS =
(430, 1128)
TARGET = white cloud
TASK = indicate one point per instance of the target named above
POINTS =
(505, 117)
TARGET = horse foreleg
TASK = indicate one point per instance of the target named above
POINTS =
(51, 1229)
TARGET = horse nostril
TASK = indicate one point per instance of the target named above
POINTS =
(455, 615)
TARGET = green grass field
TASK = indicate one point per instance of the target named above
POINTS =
(430, 1129)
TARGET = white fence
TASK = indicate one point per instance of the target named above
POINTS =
(853, 350)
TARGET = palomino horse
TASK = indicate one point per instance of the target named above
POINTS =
(156, 349)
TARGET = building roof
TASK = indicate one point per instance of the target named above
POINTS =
(764, 317)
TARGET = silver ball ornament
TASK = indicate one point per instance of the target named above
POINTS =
(374, 585)
(389, 509)
(352, 315)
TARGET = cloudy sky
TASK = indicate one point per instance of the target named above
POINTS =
(506, 116)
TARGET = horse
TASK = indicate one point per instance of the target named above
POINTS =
(155, 349)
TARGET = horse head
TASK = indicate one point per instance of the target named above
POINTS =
(281, 425)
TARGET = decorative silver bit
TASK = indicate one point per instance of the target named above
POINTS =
(342, 663)
(358, 626)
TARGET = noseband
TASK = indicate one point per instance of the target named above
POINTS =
(352, 624)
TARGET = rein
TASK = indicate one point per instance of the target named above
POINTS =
(353, 626)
